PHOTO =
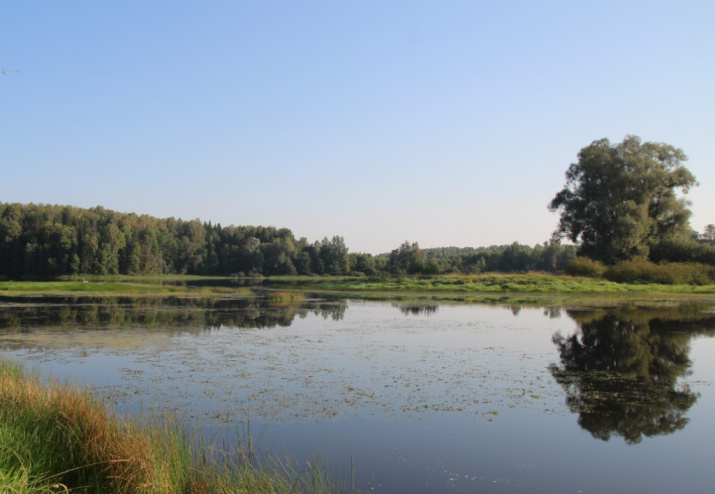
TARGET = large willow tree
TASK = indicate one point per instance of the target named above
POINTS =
(620, 200)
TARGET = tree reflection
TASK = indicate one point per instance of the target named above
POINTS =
(417, 309)
(171, 314)
(621, 370)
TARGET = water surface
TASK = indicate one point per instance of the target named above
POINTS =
(420, 397)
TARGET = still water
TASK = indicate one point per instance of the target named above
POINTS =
(420, 398)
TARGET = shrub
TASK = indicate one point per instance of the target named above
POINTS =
(674, 273)
(583, 266)
(683, 251)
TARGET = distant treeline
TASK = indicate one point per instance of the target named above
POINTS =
(45, 241)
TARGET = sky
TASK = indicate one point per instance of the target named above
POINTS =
(448, 123)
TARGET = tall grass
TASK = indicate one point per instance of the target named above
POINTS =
(55, 437)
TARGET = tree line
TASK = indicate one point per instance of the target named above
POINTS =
(46, 241)
(620, 207)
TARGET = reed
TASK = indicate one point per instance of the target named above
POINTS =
(55, 437)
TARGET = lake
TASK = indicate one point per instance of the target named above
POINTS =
(419, 397)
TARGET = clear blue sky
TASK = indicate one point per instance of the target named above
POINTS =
(441, 122)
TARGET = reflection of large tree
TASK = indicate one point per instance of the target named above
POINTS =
(620, 370)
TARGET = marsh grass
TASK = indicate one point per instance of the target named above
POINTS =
(55, 437)
(286, 290)
(536, 283)
(113, 288)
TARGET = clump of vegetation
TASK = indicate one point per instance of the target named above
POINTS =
(57, 438)
(583, 266)
(55, 434)
(673, 273)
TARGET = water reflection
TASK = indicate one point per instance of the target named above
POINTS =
(417, 309)
(171, 314)
(621, 370)
(425, 397)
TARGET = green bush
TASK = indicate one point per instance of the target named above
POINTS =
(683, 251)
(674, 273)
(583, 266)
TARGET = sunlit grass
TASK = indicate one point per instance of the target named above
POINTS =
(455, 287)
(500, 283)
(113, 288)
(531, 289)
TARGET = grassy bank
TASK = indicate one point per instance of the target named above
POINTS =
(532, 289)
(57, 438)
(497, 283)
(115, 288)
(442, 287)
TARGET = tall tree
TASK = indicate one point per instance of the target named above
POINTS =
(620, 200)
(407, 258)
(708, 235)
(335, 257)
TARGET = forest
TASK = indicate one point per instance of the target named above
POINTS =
(45, 241)
(619, 209)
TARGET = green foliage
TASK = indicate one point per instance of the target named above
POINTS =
(708, 235)
(407, 258)
(620, 200)
(334, 256)
(50, 242)
(683, 250)
(642, 271)
(44, 241)
(363, 264)
(583, 266)
(515, 258)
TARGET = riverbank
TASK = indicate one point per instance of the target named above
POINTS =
(496, 283)
(55, 437)
(542, 288)
(127, 286)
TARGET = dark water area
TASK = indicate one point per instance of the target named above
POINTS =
(418, 397)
